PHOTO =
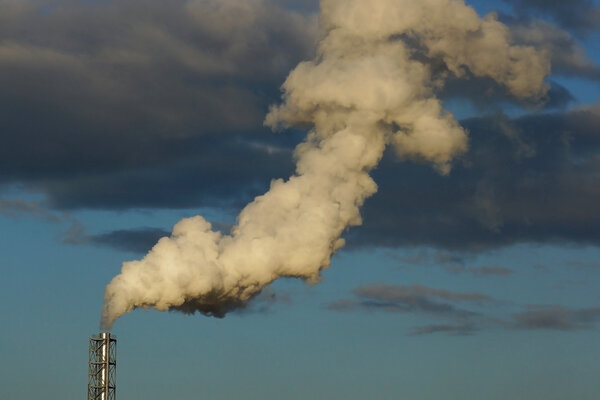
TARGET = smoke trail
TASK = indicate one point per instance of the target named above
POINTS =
(372, 84)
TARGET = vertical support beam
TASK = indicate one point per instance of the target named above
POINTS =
(105, 351)
(102, 367)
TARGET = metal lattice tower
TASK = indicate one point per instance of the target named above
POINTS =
(102, 371)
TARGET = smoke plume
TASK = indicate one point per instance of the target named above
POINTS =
(373, 83)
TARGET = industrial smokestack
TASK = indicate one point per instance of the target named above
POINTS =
(102, 370)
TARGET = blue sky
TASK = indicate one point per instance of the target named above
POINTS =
(119, 119)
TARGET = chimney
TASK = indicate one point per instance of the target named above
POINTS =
(102, 370)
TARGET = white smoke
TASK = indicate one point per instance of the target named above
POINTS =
(371, 84)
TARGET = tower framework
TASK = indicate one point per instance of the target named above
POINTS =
(102, 369)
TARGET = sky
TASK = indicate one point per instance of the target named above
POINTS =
(472, 272)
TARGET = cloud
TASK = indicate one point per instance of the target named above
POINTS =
(410, 299)
(18, 207)
(453, 262)
(557, 318)
(442, 306)
(479, 271)
(409, 294)
(581, 16)
(136, 240)
(208, 171)
(75, 234)
(99, 89)
(459, 329)
(528, 179)
(424, 301)
(430, 257)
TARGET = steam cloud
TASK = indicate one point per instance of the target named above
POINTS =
(373, 83)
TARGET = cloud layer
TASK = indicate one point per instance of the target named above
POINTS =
(95, 93)
(529, 179)
(106, 107)
(452, 312)
(581, 16)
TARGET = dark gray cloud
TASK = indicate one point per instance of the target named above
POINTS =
(431, 257)
(580, 16)
(136, 240)
(479, 271)
(410, 299)
(411, 294)
(442, 306)
(223, 173)
(452, 262)
(98, 90)
(459, 329)
(557, 318)
(530, 179)
(18, 207)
